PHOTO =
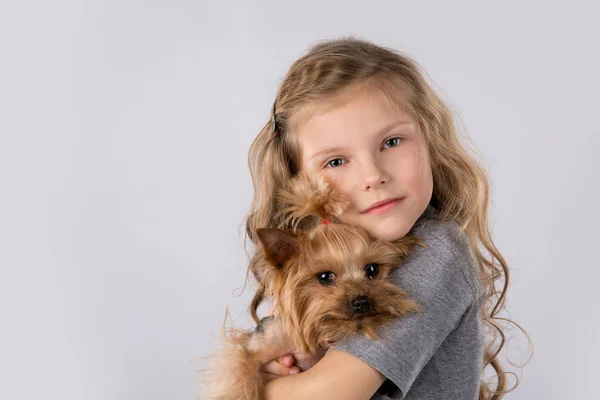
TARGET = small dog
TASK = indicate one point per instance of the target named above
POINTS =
(328, 281)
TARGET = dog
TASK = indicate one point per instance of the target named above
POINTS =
(328, 281)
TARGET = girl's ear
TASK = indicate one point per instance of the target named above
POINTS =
(280, 246)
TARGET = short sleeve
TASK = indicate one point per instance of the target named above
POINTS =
(435, 277)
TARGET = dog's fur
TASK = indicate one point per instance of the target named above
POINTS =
(327, 282)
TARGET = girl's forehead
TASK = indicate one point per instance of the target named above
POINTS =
(366, 112)
(365, 106)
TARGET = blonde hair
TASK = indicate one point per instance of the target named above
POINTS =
(460, 184)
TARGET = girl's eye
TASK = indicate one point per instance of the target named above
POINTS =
(371, 270)
(326, 278)
(336, 162)
(392, 142)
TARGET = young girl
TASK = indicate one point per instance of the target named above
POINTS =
(363, 117)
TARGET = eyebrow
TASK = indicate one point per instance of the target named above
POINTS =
(380, 132)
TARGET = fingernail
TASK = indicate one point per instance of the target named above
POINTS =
(294, 371)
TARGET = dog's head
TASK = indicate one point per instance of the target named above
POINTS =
(333, 280)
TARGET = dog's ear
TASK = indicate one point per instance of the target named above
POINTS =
(280, 246)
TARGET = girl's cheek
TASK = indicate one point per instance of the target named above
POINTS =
(340, 182)
(330, 176)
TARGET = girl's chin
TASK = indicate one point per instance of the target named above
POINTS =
(389, 228)
(389, 232)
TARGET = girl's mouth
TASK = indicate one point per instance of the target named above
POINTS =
(382, 206)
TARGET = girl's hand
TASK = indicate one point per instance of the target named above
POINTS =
(290, 364)
(281, 366)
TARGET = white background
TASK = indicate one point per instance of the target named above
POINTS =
(125, 127)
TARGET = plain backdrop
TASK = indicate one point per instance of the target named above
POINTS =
(125, 127)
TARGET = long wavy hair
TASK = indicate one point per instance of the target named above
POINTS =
(460, 184)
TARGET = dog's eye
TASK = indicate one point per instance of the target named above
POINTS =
(371, 270)
(326, 278)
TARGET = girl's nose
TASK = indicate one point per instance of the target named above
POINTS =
(374, 184)
(374, 176)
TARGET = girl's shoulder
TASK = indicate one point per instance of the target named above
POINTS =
(431, 224)
(447, 253)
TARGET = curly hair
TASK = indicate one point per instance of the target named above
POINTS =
(461, 187)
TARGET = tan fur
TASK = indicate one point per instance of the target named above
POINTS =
(310, 315)
(303, 198)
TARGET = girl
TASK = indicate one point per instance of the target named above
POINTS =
(363, 117)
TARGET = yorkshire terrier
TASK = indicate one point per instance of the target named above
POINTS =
(328, 280)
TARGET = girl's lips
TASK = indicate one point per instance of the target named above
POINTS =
(383, 208)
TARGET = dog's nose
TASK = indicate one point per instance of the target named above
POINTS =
(361, 304)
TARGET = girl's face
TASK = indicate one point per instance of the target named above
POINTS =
(376, 157)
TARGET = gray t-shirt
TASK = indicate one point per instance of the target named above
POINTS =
(436, 353)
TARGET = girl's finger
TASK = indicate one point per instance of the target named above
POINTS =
(276, 368)
(286, 360)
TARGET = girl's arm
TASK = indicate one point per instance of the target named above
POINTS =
(338, 375)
